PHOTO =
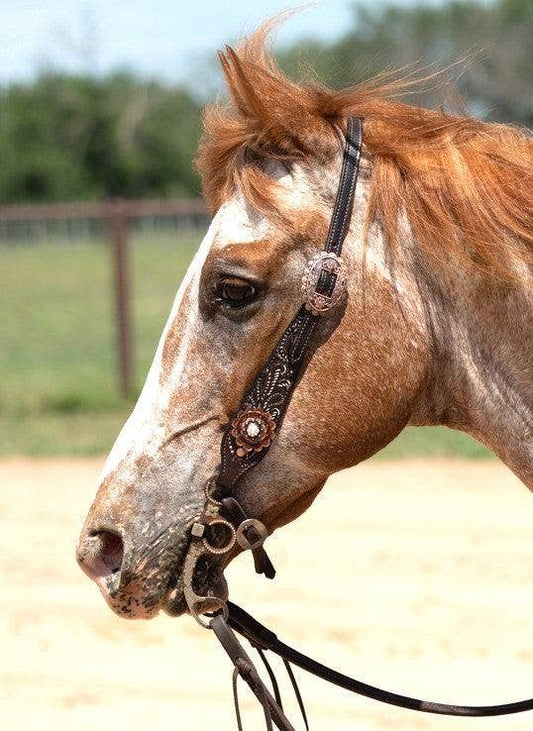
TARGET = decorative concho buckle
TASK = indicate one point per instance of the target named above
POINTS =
(252, 430)
(323, 283)
(260, 534)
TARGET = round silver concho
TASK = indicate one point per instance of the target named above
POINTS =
(316, 302)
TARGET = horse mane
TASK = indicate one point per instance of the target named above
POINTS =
(464, 185)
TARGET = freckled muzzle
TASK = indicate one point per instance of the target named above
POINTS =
(139, 572)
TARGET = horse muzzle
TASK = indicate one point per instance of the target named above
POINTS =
(138, 575)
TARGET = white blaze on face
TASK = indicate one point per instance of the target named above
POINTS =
(235, 222)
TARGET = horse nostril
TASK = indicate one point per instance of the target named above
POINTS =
(111, 551)
(101, 554)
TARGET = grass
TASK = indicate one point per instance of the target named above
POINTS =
(58, 386)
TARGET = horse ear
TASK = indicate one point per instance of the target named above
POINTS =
(268, 115)
(272, 106)
(241, 90)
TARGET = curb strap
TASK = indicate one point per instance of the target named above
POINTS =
(262, 637)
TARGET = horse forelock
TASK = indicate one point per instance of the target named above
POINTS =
(463, 184)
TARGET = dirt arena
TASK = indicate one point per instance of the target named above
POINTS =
(414, 575)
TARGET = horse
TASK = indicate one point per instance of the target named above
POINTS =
(436, 327)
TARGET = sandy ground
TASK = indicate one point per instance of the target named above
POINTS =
(413, 575)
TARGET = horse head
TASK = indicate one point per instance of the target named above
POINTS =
(270, 163)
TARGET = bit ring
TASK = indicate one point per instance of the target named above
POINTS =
(198, 615)
(218, 550)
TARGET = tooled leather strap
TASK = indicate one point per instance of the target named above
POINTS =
(247, 439)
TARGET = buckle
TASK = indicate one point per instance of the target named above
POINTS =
(323, 283)
(258, 532)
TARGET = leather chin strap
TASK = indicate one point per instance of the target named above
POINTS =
(224, 525)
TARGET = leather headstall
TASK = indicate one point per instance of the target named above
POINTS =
(249, 435)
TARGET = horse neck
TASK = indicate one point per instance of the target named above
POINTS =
(481, 372)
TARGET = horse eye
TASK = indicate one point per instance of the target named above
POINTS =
(235, 292)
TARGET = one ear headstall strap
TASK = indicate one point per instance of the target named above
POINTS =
(249, 436)
(246, 440)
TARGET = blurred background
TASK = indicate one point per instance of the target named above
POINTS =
(99, 101)
(421, 581)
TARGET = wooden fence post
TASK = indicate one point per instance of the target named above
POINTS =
(119, 238)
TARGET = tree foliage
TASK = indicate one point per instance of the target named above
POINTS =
(72, 138)
(65, 138)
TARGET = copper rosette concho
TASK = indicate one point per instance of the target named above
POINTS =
(253, 430)
(326, 262)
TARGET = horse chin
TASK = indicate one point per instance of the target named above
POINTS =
(174, 603)
(134, 602)
(208, 582)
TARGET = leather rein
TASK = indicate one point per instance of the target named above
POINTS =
(224, 525)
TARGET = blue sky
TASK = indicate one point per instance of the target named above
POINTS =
(163, 38)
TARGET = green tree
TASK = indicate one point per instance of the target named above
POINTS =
(73, 138)
(65, 138)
